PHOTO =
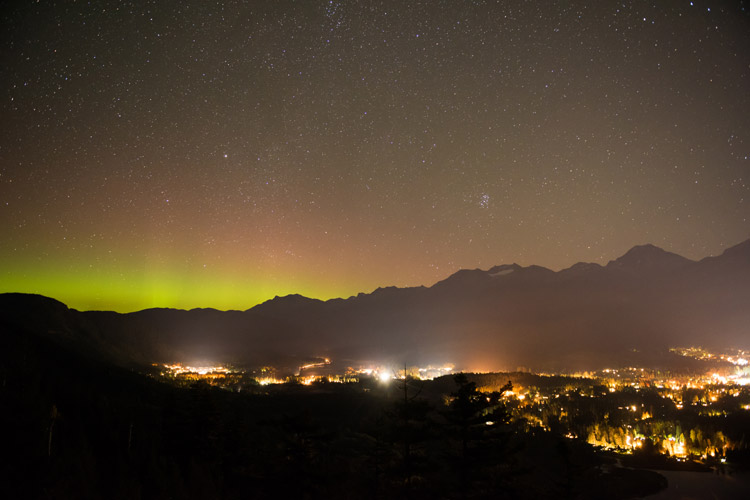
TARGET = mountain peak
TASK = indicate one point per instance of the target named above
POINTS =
(738, 250)
(31, 303)
(287, 301)
(737, 257)
(504, 269)
(582, 267)
(463, 277)
(648, 256)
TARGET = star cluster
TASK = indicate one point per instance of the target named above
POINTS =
(202, 153)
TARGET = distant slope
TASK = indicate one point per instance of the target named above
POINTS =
(74, 426)
(507, 316)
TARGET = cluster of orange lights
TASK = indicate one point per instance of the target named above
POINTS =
(713, 385)
(179, 369)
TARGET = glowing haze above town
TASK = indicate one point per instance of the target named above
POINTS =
(196, 154)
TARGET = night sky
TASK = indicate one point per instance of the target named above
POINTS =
(215, 154)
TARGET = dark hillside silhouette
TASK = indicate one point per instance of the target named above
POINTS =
(74, 426)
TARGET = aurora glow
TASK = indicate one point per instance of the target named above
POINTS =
(198, 154)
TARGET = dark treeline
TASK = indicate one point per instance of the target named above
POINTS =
(75, 427)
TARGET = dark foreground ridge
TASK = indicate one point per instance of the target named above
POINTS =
(78, 427)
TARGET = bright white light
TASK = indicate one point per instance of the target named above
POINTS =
(384, 377)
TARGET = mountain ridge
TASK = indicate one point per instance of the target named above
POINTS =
(505, 316)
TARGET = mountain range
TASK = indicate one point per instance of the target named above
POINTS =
(587, 316)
